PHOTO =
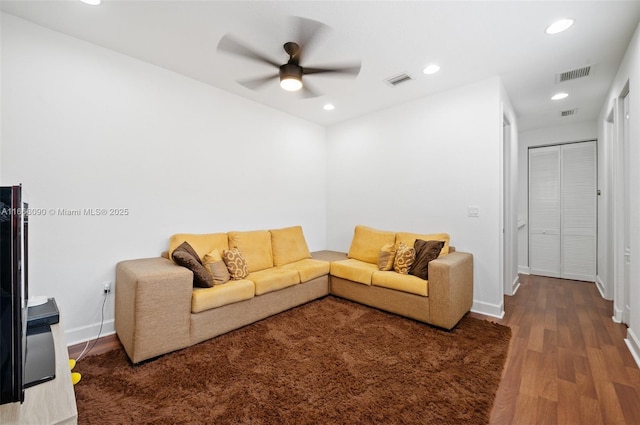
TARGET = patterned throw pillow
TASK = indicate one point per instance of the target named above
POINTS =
(405, 256)
(214, 263)
(236, 263)
(186, 256)
(386, 257)
(426, 251)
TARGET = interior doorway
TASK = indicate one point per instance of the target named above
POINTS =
(622, 218)
(627, 208)
(509, 210)
(563, 211)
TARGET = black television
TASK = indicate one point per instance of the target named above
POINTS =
(13, 294)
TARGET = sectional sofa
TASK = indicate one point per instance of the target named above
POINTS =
(162, 306)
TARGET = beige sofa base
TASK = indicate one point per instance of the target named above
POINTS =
(217, 321)
(450, 292)
(153, 302)
(398, 302)
(153, 308)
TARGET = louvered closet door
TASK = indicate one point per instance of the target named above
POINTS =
(562, 211)
(579, 188)
(544, 211)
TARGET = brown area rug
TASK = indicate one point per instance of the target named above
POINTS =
(330, 361)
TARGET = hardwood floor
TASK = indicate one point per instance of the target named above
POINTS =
(567, 363)
(104, 344)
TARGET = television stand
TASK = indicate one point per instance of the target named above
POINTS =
(52, 402)
(40, 365)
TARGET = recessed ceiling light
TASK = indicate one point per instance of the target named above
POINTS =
(559, 26)
(91, 2)
(431, 69)
(559, 96)
(328, 107)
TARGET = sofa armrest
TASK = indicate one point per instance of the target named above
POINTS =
(450, 288)
(153, 306)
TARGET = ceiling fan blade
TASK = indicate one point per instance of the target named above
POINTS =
(228, 44)
(257, 83)
(308, 91)
(353, 70)
(308, 33)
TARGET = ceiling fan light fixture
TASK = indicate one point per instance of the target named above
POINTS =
(291, 84)
(291, 77)
(559, 26)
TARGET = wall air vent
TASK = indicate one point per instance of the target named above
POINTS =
(573, 74)
(399, 79)
(569, 112)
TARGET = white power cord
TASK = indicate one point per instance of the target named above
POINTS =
(85, 351)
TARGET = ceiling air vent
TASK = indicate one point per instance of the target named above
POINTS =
(399, 79)
(569, 112)
(573, 74)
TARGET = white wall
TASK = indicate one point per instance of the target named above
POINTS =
(575, 132)
(417, 167)
(629, 71)
(90, 128)
(85, 127)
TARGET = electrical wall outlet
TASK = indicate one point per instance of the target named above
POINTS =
(107, 288)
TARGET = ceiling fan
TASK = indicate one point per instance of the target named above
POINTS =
(292, 72)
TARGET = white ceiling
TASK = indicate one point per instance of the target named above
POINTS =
(470, 40)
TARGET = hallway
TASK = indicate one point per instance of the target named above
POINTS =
(567, 363)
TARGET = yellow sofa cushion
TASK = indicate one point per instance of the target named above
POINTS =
(201, 243)
(401, 282)
(309, 268)
(288, 245)
(272, 279)
(367, 242)
(410, 238)
(219, 295)
(255, 247)
(355, 270)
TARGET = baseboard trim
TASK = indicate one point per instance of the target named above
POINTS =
(515, 285)
(492, 310)
(601, 288)
(524, 270)
(89, 332)
(617, 315)
(633, 343)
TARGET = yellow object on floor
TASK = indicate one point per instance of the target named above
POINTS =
(75, 376)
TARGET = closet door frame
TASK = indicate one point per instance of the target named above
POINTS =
(549, 227)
